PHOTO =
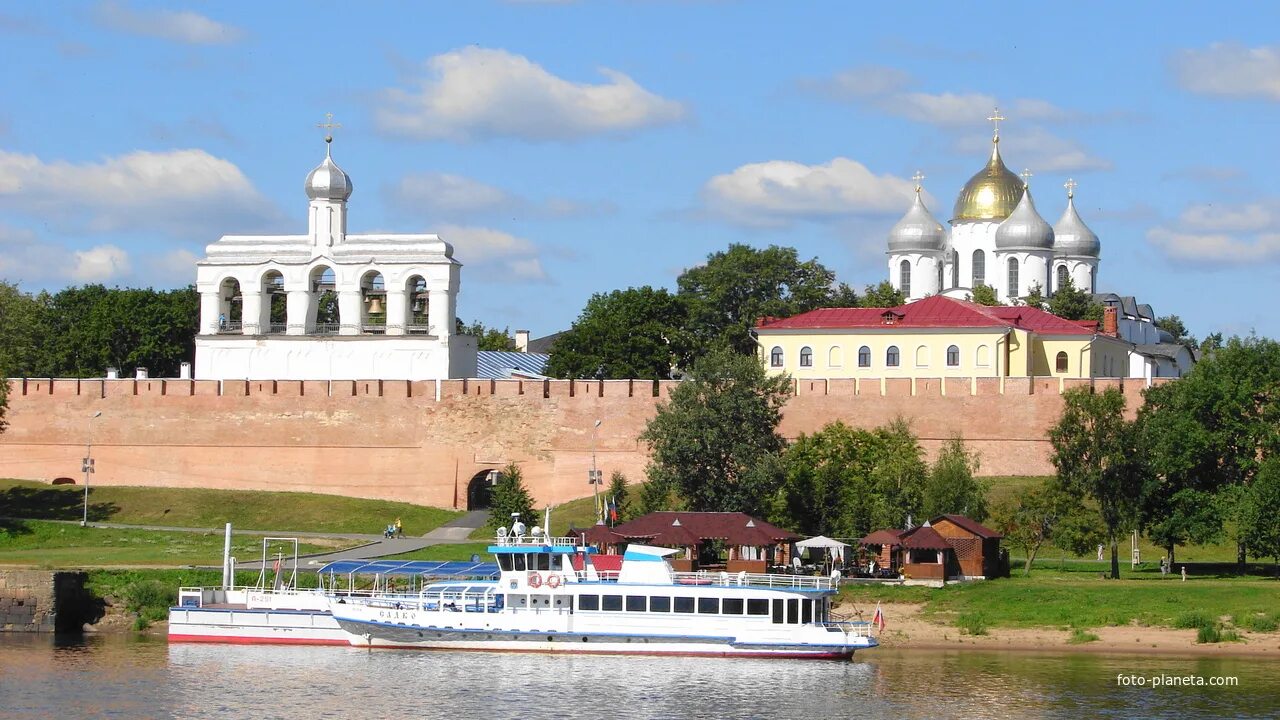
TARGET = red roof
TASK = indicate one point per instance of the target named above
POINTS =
(972, 526)
(676, 528)
(598, 534)
(936, 311)
(883, 537)
(924, 538)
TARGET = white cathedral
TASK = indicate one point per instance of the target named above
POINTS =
(997, 239)
(329, 305)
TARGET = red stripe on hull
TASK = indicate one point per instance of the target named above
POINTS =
(241, 640)
(663, 653)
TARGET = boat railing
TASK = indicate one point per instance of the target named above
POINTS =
(851, 627)
(770, 580)
(539, 539)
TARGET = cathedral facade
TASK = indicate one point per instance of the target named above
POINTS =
(997, 238)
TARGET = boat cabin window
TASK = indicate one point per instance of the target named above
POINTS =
(588, 602)
(611, 602)
(709, 606)
(636, 603)
(659, 604)
(757, 606)
(544, 561)
(557, 562)
(732, 606)
(779, 611)
(684, 604)
(793, 611)
(504, 562)
(518, 563)
(806, 612)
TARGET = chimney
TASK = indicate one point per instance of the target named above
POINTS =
(113, 374)
(522, 341)
(184, 370)
(140, 373)
(1110, 321)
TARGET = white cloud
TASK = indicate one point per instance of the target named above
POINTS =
(777, 192)
(181, 26)
(859, 82)
(477, 93)
(184, 192)
(176, 267)
(1230, 70)
(1037, 149)
(1226, 218)
(497, 250)
(1219, 249)
(437, 196)
(27, 258)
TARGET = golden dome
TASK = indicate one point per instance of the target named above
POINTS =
(991, 194)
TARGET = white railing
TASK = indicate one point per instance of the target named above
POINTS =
(859, 628)
(771, 580)
(539, 539)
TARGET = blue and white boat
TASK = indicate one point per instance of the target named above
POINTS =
(549, 597)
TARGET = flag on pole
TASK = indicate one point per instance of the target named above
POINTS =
(878, 619)
(613, 510)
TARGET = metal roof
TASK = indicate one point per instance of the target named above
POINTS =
(499, 364)
(429, 568)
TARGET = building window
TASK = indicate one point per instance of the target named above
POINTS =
(835, 357)
(904, 277)
(953, 356)
(1013, 278)
(955, 268)
(775, 357)
(1062, 277)
(891, 356)
(806, 357)
(979, 268)
(1061, 362)
(1093, 280)
(983, 357)
(922, 356)
(864, 356)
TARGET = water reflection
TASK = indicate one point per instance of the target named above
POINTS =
(119, 677)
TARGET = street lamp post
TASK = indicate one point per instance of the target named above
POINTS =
(88, 467)
(595, 474)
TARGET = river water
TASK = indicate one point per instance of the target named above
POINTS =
(43, 677)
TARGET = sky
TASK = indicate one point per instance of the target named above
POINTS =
(572, 148)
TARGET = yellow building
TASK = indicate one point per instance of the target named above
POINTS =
(937, 337)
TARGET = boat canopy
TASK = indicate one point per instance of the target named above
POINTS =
(429, 568)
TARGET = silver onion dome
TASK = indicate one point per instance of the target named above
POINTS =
(917, 231)
(1072, 236)
(328, 181)
(1024, 228)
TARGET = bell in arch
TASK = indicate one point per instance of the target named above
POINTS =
(375, 305)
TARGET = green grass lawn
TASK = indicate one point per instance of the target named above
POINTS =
(462, 551)
(201, 508)
(62, 545)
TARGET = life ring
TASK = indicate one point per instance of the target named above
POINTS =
(535, 580)
(553, 581)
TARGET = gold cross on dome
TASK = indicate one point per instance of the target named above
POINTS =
(1026, 176)
(328, 125)
(1070, 185)
(918, 177)
(995, 119)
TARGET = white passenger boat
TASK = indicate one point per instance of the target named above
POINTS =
(549, 597)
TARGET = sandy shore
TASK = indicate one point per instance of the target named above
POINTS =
(905, 628)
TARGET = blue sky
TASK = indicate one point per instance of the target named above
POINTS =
(569, 148)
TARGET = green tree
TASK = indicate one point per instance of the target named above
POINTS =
(618, 496)
(510, 496)
(24, 334)
(632, 333)
(728, 294)
(898, 477)
(984, 295)
(1188, 516)
(1096, 452)
(709, 443)
(827, 486)
(952, 485)
(1173, 325)
(1031, 520)
(883, 295)
(1074, 304)
(1035, 298)
(92, 328)
(488, 338)
(1258, 513)
(1079, 531)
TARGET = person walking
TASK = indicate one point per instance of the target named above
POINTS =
(399, 529)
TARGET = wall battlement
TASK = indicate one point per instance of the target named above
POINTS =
(428, 441)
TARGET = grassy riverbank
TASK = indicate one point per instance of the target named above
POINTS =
(202, 508)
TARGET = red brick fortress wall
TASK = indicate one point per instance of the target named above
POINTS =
(423, 442)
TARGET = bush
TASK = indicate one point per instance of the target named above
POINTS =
(1231, 635)
(1258, 622)
(1192, 620)
(1208, 634)
(1080, 636)
(150, 600)
(972, 624)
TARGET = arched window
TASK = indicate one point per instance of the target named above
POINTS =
(955, 268)
(835, 356)
(1061, 362)
(983, 356)
(904, 277)
(922, 356)
(864, 356)
(1062, 277)
(979, 268)
(806, 356)
(891, 356)
(953, 356)
(939, 289)
(1093, 280)
(1013, 278)
(775, 357)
